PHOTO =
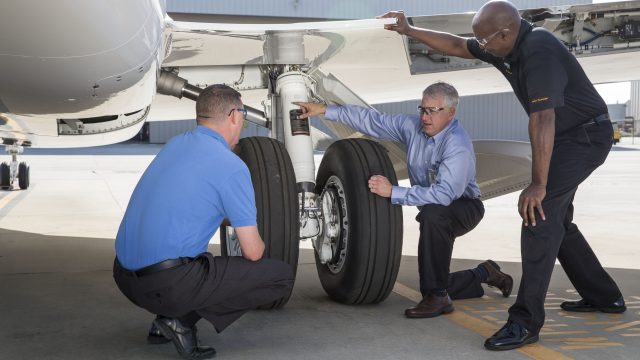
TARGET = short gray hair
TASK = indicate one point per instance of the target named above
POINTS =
(215, 102)
(449, 93)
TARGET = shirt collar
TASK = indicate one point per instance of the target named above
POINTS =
(525, 28)
(214, 134)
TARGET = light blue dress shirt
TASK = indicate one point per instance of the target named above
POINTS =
(442, 168)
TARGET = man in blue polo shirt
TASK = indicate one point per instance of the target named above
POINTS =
(162, 263)
(442, 171)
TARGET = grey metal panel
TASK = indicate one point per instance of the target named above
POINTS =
(494, 116)
(634, 102)
(337, 9)
(617, 111)
(161, 131)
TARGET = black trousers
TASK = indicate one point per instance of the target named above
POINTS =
(219, 289)
(439, 227)
(575, 155)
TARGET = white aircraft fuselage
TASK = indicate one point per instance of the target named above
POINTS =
(76, 60)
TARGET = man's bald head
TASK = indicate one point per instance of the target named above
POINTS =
(496, 15)
(497, 23)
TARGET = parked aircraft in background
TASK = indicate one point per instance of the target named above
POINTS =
(86, 73)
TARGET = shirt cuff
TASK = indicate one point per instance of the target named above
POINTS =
(398, 194)
(331, 112)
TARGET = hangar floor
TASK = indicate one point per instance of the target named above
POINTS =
(58, 299)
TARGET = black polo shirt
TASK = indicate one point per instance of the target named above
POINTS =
(545, 75)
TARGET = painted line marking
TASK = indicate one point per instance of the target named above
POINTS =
(580, 340)
(7, 199)
(484, 328)
(630, 335)
(623, 326)
(604, 323)
(563, 332)
(490, 318)
(579, 347)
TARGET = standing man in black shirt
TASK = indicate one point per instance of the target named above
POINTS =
(571, 136)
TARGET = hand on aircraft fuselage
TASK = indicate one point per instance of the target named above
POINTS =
(380, 185)
(401, 26)
(310, 109)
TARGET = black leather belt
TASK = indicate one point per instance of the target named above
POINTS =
(162, 265)
(597, 120)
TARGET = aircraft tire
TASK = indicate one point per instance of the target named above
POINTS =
(274, 183)
(367, 256)
(5, 176)
(23, 175)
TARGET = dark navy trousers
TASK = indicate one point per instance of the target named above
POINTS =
(219, 289)
(439, 227)
(576, 154)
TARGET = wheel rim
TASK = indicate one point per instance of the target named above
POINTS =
(335, 229)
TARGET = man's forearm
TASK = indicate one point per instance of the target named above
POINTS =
(541, 133)
(446, 43)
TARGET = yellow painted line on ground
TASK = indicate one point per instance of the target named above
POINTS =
(623, 326)
(582, 347)
(580, 340)
(604, 323)
(490, 318)
(630, 335)
(484, 328)
(7, 199)
(563, 332)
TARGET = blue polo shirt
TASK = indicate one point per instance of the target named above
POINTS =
(181, 199)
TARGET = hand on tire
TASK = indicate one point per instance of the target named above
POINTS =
(380, 185)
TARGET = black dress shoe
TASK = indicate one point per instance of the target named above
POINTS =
(582, 306)
(497, 278)
(430, 306)
(184, 338)
(155, 337)
(510, 336)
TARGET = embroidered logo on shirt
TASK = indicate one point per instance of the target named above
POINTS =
(507, 68)
(539, 100)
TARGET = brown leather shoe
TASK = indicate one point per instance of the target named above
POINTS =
(430, 306)
(497, 278)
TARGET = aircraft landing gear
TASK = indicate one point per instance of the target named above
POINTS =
(11, 171)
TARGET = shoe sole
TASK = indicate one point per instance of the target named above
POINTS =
(508, 291)
(603, 310)
(511, 347)
(449, 309)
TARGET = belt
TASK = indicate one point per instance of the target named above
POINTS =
(597, 120)
(162, 265)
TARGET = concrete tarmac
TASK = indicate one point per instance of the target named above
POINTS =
(58, 299)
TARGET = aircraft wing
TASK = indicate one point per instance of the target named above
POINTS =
(382, 66)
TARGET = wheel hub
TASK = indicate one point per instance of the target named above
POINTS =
(331, 244)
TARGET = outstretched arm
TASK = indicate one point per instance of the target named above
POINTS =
(446, 43)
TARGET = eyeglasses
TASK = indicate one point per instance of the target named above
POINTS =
(485, 41)
(429, 110)
(242, 110)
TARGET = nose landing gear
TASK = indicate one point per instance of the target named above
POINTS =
(10, 171)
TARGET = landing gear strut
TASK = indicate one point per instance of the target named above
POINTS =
(11, 171)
